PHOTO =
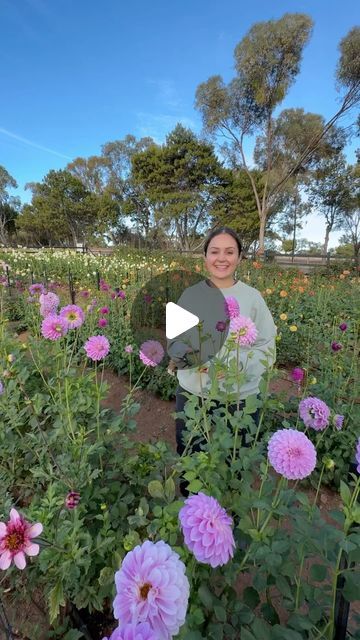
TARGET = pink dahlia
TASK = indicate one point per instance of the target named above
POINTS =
(129, 348)
(102, 322)
(220, 326)
(314, 413)
(15, 540)
(243, 330)
(97, 347)
(232, 308)
(133, 631)
(207, 530)
(336, 346)
(292, 454)
(152, 587)
(72, 500)
(298, 374)
(36, 288)
(343, 326)
(49, 302)
(73, 314)
(338, 421)
(104, 310)
(54, 327)
(151, 353)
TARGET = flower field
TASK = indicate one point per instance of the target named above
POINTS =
(92, 523)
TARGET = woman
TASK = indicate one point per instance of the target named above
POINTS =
(222, 251)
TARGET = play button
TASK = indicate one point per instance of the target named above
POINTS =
(178, 320)
(179, 309)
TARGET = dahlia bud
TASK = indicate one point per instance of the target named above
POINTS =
(72, 499)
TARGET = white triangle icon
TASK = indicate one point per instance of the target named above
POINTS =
(178, 320)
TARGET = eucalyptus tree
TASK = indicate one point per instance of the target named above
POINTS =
(9, 205)
(267, 61)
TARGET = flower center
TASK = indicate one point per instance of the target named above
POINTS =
(14, 541)
(58, 328)
(144, 590)
(294, 451)
(72, 316)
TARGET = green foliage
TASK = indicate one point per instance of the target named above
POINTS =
(183, 181)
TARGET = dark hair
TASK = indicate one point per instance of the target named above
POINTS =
(217, 232)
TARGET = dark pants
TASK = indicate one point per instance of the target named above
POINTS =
(180, 423)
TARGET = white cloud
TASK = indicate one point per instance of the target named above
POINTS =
(30, 143)
(166, 92)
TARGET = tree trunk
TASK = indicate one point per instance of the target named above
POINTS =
(326, 241)
(261, 249)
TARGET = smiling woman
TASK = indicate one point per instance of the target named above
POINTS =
(248, 317)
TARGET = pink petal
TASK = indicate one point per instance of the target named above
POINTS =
(35, 530)
(5, 560)
(19, 560)
(32, 549)
(14, 516)
(3, 529)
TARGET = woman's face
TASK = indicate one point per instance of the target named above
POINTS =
(222, 257)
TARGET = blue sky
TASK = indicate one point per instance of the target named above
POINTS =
(76, 75)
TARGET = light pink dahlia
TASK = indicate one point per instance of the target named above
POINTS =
(232, 308)
(73, 314)
(36, 288)
(54, 327)
(49, 302)
(314, 413)
(243, 330)
(292, 454)
(207, 530)
(133, 631)
(152, 587)
(151, 353)
(97, 347)
(15, 540)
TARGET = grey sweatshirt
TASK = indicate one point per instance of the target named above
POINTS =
(251, 305)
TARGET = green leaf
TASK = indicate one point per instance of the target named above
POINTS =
(284, 587)
(261, 629)
(351, 589)
(106, 576)
(220, 613)
(156, 489)
(269, 613)
(318, 572)
(284, 633)
(345, 493)
(73, 634)
(251, 597)
(170, 489)
(56, 600)
(246, 635)
(300, 622)
(205, 596)
(195, 486)
(215, 631)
